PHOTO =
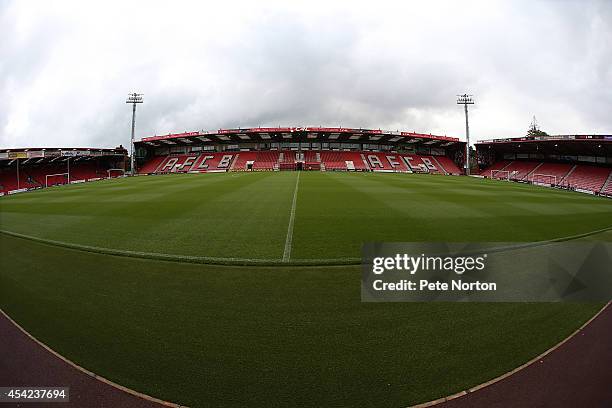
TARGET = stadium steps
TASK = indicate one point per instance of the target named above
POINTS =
(569, 173)
(159, 165)
(589, 178)
(449, 165)
(533, 171)
(440, 166)
(518, 169)
(365, 162)
(506, 166)
(558, 170)
(607, 187)
(231, 168)
(498, 165)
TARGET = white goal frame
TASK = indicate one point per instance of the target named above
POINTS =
(108, 172)
(550, 177)
(501, 171)
(53, 175)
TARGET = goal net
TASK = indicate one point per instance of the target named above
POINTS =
(500, 174)
(115, 173)
(544, 179)
(56, 179)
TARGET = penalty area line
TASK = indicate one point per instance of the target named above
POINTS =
(289, 239)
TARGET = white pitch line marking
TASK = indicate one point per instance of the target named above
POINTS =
(287, 252)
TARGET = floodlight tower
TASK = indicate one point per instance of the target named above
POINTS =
(133, 98)
(466, 100)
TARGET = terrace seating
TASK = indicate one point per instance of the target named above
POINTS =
(550, 173)
(150, 166)
(422, 164)
(213, 162)
(310, 157)
(585, 177)
(287, 160)
(287, 157)
(357, 158)
(500, 165)
(518, 170)
(177, 163)
(241, 160)
(379, 161)
(8, 180)
(33, 176)
(607, 188)
(448, 165)
(266, 160)
(582, 177)
(333, 160)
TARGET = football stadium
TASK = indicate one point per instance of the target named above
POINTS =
(225, 271)
(306, 204)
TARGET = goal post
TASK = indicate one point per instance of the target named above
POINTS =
(109, 172)
(544, 179)
(67, 179)
(503, 174)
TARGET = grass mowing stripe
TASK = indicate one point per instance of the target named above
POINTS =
(207, 260)
(260, 261)
(221, 215)
(287, 253)
(282, 336)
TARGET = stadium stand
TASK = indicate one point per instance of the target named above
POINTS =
(312, 160)
(177, 163)
(213, 162)
(518, 170)
(152, 165)
(589, 178)
(287, 160)
(243, 160)
(551, 173)
(356, 158)
(266, 160)
(577, 162)
(423, 164)
(607, 187)
(333, 161)
(311, 157)
(385, 161)
(574, 176)
(51, 168)
(448, 165)
(500, 165)
(307, 160)
(305, 148)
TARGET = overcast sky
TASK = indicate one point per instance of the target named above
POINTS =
(67, 67)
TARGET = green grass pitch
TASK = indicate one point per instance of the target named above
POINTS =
(285, 335)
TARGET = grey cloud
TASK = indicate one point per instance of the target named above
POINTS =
(385, 66)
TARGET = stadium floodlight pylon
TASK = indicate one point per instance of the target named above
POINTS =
(133, 98)
(494, 172)
(466, 100)
(55, 175)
